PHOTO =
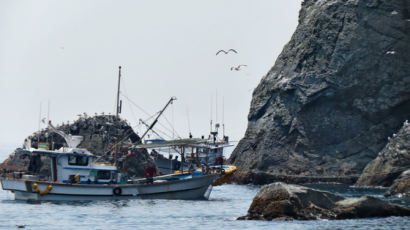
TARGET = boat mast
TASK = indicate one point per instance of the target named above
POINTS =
(223, 117)
(159, 114)
(147, 125)
(119, 102)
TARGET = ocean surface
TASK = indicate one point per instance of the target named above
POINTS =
(226, 203)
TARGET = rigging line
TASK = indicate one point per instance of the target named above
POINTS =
(189, 123)
(146, 113)
(138, 127)
(160, 123)
(135, 104)
(173, 121)
(149, 118)
(163, 133)
(177, 134)
(129, 104)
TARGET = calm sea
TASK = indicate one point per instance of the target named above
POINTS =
(220, 212)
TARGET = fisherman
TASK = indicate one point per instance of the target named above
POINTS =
(150, 172)
(219, 160)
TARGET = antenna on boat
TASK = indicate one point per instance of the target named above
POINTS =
(48, 110)
(223, 116)
(216, 106)
(119, 102)
(189, 123)
(210, 126)
(39, 122)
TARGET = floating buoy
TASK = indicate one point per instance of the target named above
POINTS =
(45, 192)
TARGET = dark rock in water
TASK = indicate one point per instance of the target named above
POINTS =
(391, 161)
(401, 186)
(339, 88)
(279, 201)
(101, 134)
(260, 178)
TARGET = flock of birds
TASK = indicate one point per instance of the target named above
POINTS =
(236, 68)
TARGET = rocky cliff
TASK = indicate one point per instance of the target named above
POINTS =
(339, 88)
(391, 161)
(101, 134)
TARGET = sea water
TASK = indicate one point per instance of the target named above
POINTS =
(226, 203)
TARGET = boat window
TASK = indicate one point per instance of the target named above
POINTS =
(104, 175)
(72, 160)
(81, 161)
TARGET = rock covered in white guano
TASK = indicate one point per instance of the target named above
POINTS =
(280, 201)
(339, 88)
(391, 161)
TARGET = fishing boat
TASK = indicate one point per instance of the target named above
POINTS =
(75, 174)
(198, 155)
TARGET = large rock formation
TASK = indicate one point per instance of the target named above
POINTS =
(339, 88)
(101, 134)
(391, 161)
(279, 201)
(401, 186)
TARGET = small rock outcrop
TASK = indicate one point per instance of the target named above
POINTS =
(279, 201)
(101, 134)
(401, 186)
(391, 161)
(339, 88)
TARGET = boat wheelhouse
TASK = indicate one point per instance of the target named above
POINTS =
(75, 165)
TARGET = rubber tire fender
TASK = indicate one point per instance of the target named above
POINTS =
(117, 191)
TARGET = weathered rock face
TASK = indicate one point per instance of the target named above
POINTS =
(100, 133)
(401, 186)
(339, 88)
(279, 201)
(391, 161)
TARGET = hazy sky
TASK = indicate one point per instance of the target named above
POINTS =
(67, 53)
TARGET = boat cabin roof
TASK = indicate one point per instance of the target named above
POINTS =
(173, 143)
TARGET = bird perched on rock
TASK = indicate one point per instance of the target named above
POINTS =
(226, 52)
(237, 68)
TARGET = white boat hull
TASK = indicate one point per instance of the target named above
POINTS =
(187, 189)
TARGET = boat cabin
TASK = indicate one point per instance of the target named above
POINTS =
(75, 165)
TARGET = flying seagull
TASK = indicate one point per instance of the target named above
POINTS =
(226, 52)
(237, 68)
